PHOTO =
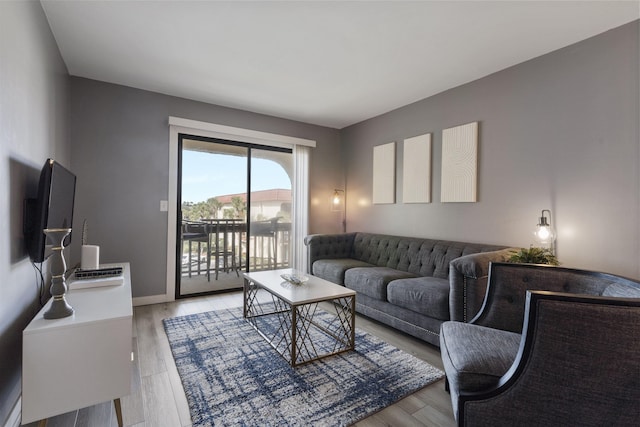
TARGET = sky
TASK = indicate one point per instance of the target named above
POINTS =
(206, 175)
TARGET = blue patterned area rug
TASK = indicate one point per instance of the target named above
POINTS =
(232, 376)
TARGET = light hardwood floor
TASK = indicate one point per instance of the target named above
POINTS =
(158, 400)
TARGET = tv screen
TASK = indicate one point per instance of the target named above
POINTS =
(53, 208)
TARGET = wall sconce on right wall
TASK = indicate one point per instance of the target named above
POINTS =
(544, 233)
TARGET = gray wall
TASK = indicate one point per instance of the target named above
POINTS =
(120, 154)
(34, 89)
(558, 132)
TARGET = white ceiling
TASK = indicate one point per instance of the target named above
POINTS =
(326, 63)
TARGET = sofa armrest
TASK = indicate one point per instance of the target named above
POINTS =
(327, 246)
(468, 282)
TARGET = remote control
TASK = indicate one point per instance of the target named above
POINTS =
(95, 274)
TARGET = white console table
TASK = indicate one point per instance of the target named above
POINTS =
(80, 360)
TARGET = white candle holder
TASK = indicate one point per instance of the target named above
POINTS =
(58, 267)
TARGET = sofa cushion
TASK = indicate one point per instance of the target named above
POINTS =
(333, 269)
(475, 357)
(373, 281)
(424, 295)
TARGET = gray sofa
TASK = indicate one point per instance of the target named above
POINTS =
(411, 284)
(551, 346)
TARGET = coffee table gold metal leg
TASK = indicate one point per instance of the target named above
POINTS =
(294, 327)
(353, 322)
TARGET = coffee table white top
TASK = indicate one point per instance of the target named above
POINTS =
(313, 290)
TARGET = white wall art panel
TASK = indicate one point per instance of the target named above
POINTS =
(459, 163)
(384, 173)
(416, 169)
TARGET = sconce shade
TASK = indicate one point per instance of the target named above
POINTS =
(337, 205)
(337, 201)
(544, 232)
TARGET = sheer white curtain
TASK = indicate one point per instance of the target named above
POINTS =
(300, 208)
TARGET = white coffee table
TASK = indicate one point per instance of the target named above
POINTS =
(302, 332)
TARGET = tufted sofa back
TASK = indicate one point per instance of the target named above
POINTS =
(423, 257)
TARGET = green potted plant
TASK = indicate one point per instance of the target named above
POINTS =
(534, 255)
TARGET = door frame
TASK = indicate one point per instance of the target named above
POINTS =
(179, 126)
(249, 147)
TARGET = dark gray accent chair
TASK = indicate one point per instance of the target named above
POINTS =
(551, 346)
(411, 284)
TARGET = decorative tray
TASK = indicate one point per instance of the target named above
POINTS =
(295, 279)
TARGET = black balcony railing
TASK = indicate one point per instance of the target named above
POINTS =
(212, 246)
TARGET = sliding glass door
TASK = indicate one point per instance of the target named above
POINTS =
(234, 212)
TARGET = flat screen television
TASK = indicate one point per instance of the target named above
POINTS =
(53, 208)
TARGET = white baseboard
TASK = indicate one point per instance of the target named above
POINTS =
(151, 299)
(15, 416)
